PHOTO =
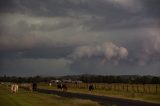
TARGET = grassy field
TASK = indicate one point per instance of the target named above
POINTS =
(26, 98)
(143, 96)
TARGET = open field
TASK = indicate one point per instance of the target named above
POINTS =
(26, 98)
(76, 96)
(147, 93)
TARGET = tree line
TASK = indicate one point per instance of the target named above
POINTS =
(132, 79)
(15, 79)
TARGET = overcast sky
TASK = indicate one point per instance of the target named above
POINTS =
(60, 37)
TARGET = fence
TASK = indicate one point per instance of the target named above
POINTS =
(136, 88)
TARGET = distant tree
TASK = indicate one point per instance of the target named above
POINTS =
(155, 80)
(145, 80)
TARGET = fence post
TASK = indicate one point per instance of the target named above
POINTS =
(133, 88)
(115, 87)
(148, 88)
(143, 88)
(137, 88)
(156, 88)
(123, 87)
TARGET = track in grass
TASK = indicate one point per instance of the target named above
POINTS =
(101, 99)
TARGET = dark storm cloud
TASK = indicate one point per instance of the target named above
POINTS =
(55, 7)
(152, 8)
(38, 7)
(112, 13)
(54, 31)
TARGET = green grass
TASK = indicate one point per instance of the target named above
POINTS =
(154, 98)
(25, 98)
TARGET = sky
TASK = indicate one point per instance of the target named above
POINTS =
(71, 37)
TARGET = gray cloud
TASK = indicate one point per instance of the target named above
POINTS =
(97, 67)
(109, 14)
(32, 67)
(151, 47)
(152, 42)
(77, 31)
(107, 51)
(31, 31)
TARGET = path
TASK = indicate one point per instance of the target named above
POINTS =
(104, 100)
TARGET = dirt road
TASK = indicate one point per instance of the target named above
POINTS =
(104, 100)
